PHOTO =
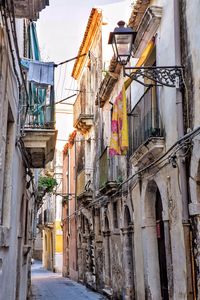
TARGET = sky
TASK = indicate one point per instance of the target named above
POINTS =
(60, 28)
(62, 24)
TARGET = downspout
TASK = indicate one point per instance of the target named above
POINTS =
(179, 111)
(181, 162)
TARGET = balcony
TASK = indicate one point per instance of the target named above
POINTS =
(146, 140)
(108, 182)
(48, 217)
(84, 192)
(29, 9)
(83, 115)
(38, 129)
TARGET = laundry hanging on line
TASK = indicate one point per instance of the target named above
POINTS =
(40, 73)
(119, 126)
(119, 123)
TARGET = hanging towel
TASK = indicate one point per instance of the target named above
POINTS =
(41, 73)
(119, 126)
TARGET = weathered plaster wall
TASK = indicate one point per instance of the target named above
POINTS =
(193, 40)
(147, 279)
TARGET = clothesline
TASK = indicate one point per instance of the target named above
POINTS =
(27, 60)
(68, 60)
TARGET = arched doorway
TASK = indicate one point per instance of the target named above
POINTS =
(154, 243)
(161, 247)
(128, 255)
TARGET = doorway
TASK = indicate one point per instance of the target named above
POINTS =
(161, 247)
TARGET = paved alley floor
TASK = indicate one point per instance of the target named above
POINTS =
(48, 286)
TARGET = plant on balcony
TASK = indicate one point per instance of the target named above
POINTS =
(46, 184)
(70, 142)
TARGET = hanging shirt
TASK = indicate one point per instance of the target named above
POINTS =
(41, 73)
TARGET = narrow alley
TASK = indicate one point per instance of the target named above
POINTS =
(52, 286)
(99, 149)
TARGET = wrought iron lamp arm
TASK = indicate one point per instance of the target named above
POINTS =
(170, 76)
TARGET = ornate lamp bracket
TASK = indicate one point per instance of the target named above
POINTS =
(160, 76)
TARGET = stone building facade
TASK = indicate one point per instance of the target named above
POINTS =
(20, 152)
(138, 214)
(69, 218)
(190, 45)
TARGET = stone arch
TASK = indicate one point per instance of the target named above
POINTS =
(150, 200)
(87, 214)
(107, 227)
(127, 217)
(154, 244)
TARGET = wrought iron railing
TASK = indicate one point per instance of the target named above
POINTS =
(144, 120)
(81, 183)
(48, 216)
(107, 169)
(81, 107)
(38, 110)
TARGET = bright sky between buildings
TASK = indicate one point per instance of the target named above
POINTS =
(60, 30)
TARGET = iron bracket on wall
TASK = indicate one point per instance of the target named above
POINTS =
(167, 76)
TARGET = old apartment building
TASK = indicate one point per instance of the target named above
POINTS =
(136, 163)
(27, 141)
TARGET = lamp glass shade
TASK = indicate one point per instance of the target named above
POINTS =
(122, 47)
(122, 39)
(123, 44)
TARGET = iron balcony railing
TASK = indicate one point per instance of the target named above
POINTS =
(48, 216)
(144, 120)
(109, 171)
(39, 111)
(81, 182)
(82, 109)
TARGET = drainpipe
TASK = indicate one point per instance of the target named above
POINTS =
(181, 163)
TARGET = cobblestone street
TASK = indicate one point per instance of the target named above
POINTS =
(48, 285)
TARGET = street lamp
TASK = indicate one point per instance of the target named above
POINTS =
(122, 39)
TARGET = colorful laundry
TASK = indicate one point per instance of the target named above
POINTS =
(119, 126)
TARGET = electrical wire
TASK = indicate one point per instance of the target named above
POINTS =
(185, 139)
